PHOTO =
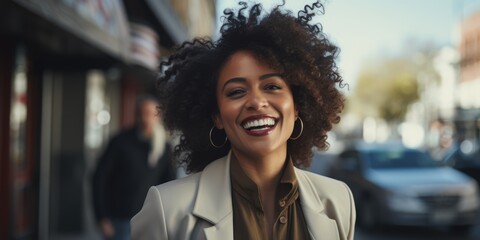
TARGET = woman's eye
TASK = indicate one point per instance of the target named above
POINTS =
(272, 87)
(235, 93)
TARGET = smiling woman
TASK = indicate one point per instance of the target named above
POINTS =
(250, 107)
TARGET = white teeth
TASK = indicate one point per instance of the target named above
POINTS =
(259, 123)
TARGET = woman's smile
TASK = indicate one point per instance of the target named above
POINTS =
(259, 125)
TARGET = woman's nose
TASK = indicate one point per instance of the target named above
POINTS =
(256, 100)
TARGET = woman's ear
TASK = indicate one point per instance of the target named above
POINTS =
(296, 113)
(217, 120)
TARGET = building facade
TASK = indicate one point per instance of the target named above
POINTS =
(468, 99)
(70, 72)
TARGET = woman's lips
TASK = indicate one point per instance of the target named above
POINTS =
(260, 131)
(259, 125)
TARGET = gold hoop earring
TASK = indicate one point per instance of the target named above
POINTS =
(211, 141)
(301, 130)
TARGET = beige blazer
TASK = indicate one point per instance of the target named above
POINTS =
(199, 206)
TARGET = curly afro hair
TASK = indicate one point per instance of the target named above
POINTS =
(292, 45)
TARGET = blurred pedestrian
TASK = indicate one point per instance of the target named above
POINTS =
(251, 106)
(134, 160)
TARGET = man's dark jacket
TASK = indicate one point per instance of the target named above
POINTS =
(123, 175)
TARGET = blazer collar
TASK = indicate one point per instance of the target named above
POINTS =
(213, 202)
(319, 224)
(309, 196)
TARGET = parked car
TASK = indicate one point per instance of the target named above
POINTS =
(395, 185)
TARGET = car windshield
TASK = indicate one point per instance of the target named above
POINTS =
(390, 159)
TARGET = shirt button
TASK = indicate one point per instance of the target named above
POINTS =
(282, 203)
(283, 219)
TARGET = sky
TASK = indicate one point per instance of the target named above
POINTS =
(365, 29)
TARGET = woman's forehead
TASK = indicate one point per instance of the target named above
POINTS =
(242, 64)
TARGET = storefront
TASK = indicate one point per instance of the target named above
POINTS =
(49, 49)
(69, 75)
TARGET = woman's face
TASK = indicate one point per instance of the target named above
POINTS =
(256, 106)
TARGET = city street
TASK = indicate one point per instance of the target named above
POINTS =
(320, 165)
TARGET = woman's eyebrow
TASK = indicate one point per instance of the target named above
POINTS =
(234, 80)
(242, 79)
(269, 75)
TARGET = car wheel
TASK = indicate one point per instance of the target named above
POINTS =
(367, 216)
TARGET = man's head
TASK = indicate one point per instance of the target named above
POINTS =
(146, 114)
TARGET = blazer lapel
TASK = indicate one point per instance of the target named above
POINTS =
(319, 224)
(213, 202)
(222, 230)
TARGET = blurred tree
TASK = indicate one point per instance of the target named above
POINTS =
(385, 88)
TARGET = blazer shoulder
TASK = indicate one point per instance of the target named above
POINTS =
(186, 187)
(165, 208)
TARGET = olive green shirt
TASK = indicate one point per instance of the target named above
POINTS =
(248, 215)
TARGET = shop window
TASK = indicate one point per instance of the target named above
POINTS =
(22, 186)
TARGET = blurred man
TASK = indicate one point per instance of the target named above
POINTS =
(134, 160)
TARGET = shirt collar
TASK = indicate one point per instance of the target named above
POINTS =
(243, 185)
(246, 188)
(288, 184)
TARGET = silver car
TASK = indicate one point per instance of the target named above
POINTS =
(395, 185)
